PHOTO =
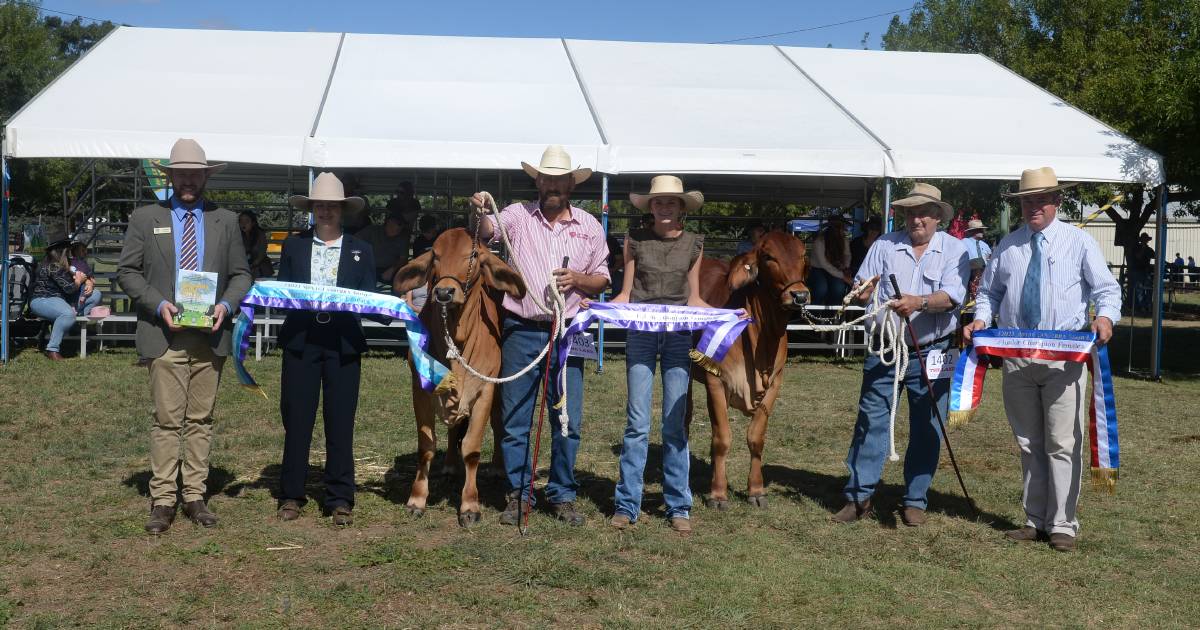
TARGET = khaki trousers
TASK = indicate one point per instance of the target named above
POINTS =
(183, 384)
(1045, 402)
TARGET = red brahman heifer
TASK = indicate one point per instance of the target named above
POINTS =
(768, 282)
(465, 280)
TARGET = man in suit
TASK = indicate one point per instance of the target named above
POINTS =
(321, 351)
(186, 232)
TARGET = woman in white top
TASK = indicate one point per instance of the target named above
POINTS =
(829, 276)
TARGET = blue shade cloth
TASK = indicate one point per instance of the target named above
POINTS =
(1031, 291)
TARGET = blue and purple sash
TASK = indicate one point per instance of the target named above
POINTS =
(310, 297)
(966, 390)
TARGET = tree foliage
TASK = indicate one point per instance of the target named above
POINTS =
(1134, 64)
(34, 50)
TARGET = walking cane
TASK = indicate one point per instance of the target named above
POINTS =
(937, 411)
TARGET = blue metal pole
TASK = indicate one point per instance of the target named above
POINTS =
(604, 224)
(887, 204)
(4, 265)
(1160, 234)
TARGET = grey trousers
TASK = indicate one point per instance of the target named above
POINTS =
(1045, 402)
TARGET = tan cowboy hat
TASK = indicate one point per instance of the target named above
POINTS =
(188, 154)
(1038, 180)
(922, 194)
(975, 225)
(556, 161)
(668, 186)
(327, 187)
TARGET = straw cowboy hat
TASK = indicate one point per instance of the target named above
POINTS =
(668, 186)
(922, 194)
(556, 161)
(187, 154)
(975, 225)
(327, 187)
(1038, 180)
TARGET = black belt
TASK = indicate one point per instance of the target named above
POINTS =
(541, 324)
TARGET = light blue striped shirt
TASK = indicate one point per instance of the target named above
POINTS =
(945, 266)
(1074, 273)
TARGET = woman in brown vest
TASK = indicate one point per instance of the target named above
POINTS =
(662, 266)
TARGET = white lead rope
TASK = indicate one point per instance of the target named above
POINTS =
(883, 338)
(557, 309)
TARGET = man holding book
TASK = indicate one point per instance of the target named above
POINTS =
(184, 267)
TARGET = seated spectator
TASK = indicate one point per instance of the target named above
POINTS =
(829, 276)
(390, 244)
(55, 289)
(254, 240)
(427, 229)
(88, 296)
(872, 229)
(404, 204)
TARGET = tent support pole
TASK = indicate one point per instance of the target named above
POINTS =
(604, 224)
(311, 221)
(1160, 237)
(887, 204)
(4, 265)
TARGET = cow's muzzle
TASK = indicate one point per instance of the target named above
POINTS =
(799, 297)
(443, 295)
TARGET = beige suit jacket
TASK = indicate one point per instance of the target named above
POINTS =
(146, 271)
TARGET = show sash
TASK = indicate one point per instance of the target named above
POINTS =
(966, 390)
(311, 297)
(721, 326)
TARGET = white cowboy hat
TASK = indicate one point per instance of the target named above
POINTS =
(327, 187)
(975, 225)
(556, 161)
(668, 186)
(188, 154)
(1038, 180)
(922, 194)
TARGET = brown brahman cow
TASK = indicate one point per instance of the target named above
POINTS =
(465, 280)
(768, 282)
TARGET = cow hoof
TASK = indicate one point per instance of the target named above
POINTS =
(467, 519)
(721, 505)
(415, 511)
(759, 501)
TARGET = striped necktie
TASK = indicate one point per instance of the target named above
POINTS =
(1031, 291)
(187, 254)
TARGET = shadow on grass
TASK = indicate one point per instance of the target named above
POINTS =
(826, 491)
(218, 481)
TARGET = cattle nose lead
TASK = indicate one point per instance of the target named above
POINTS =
(799, 298)
(443, 295)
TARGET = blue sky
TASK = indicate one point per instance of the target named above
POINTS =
(648, 20)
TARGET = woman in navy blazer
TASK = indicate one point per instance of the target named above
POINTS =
(321, 351)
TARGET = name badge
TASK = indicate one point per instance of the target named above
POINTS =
(939, 364)
(162, 230)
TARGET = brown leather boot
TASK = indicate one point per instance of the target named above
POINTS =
(1062, 542)
(912, 516)
(342, 517)
(53, 355)
(681, 525)
(161, 517)
(198, 512)
(289, 510)
(1026, 534)
(853, 511)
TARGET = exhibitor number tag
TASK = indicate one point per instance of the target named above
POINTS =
(939, 364)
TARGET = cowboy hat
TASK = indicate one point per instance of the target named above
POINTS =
(57, 237)
(187, 154)
(975, 225)
(327, 187)
(668, 186)
(922, 194)
(1038, 180)
(556, 161)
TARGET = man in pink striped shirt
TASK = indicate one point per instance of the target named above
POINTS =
(551, 241)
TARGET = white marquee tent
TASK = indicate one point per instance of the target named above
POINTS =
(325, 100)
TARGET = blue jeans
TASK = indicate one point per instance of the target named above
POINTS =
(60, 314)
(642, 351)
(89, 302)
(521, 343)
(869, 448)
(825, 289)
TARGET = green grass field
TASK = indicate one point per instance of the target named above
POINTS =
(73, 475)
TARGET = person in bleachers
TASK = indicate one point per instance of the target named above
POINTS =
(55, 289)
(390, 242)
(254, 240)
(829, 274)
(88, 295)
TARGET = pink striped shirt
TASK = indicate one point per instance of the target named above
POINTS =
(539, 247)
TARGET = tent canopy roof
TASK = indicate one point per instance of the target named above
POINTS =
(330, 100)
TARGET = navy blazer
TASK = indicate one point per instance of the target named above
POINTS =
(356, 270)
